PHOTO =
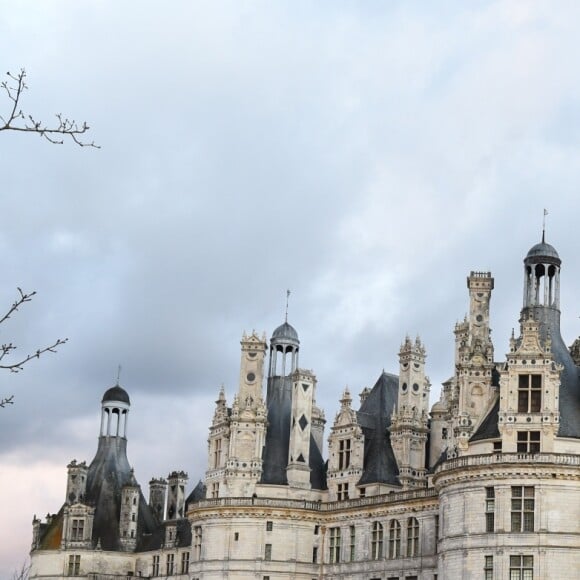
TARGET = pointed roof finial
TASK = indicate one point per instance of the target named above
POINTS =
(118, 374)
(544, 226)
(287, 299)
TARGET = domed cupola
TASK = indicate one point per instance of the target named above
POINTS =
(542, 276)
(286, 333)
(116, 393)
(284, 344)
(115, 406)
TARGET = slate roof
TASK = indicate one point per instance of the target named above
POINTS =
(108, 473)
(488, 429)
(374, 417)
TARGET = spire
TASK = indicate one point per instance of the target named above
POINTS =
(544, 226)
(287, 300)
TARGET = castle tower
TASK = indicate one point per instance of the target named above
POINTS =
(129, 516)
(540, 384)
(108, 472)
(176, 482)
(298, 470)
(472, 392)
(284, 349)
(247, 424)
(157, 497)
(409, 424)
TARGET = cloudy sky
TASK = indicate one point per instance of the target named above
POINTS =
(365, 155)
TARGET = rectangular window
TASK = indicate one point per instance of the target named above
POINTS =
(215, 490)
(528, 442)
(344, 454)
(155, 571)
(236, 536)
(342, 491)
(316, 530)
(363, 492)
(197, 539)
(78, 530)
(170, 564)
(268, 552)
(522, 512)
(377, 541)
(529, 393)
(489, 509)
(488, 568)
(269, 526)
(352, 551)
(497, 447)
(74, 565)
(315, 554)
(412, 538)
(436, 534)
(185, 563)
(334, 545)
(521, 568)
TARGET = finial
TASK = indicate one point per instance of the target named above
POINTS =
(544, 226)
(287, 299)
(118, 374)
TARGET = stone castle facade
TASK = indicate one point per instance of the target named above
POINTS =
(484, 484)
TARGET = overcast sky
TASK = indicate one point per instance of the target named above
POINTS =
(366, 155)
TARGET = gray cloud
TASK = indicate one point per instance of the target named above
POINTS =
(366, 157)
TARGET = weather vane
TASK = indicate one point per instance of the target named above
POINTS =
(287, 299)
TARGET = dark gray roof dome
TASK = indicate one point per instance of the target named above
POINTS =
(285, 332)
(116, 393)
(543, 250)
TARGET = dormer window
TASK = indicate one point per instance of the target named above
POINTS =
(78, 530)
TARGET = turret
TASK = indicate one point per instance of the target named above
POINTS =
(409, 422)
(176, 482)
(157, 497)
(76, 483)
(128, 520)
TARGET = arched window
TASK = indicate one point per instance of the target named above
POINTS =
(394, 539)
(377, 541)
(412, 538)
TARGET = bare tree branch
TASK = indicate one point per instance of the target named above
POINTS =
(8, 348)
(6, 401)
(16, 120)
(23, 572)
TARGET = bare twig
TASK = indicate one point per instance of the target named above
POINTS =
(6, 401)
(16, 120)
